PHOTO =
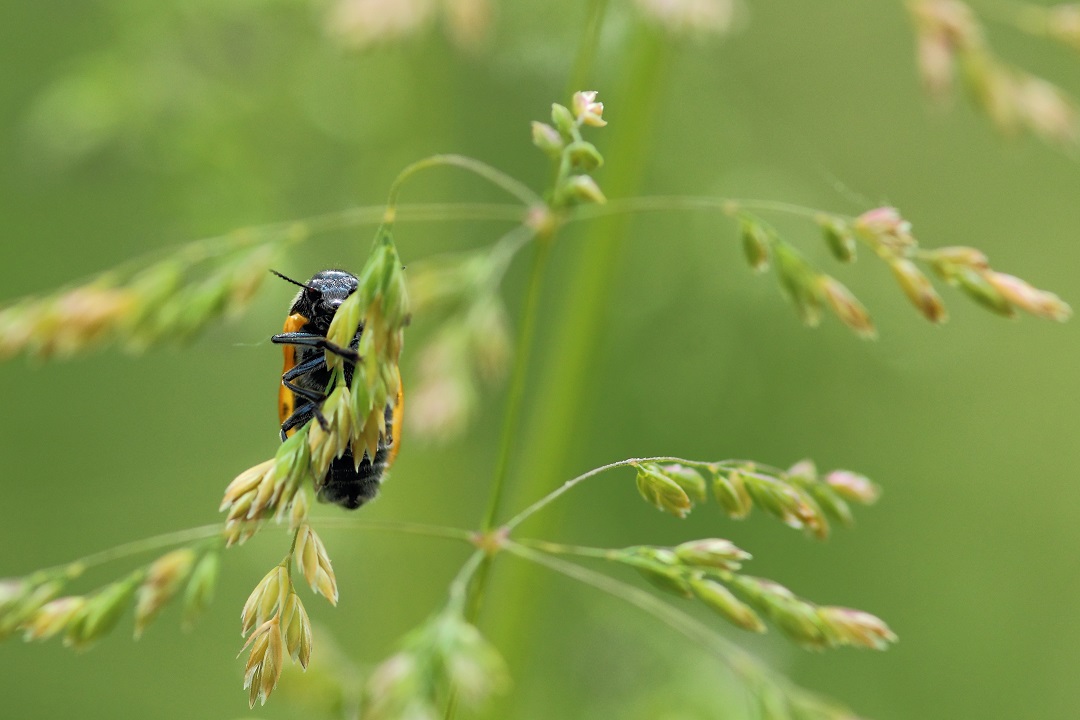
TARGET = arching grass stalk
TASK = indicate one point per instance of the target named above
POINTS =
(676, 203)
(729, 652)
(496, 177)
(459, 586)
(756, 676)
(213, 532)
(574, 482)
(291, 232)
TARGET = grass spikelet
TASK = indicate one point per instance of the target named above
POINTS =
(265, 661)
(200, 588)
(163, 580)
(101, 612)
(297, 629)
(53, 617)
(265, 600)
(314, 564)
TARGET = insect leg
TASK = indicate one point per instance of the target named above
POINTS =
(315, 341)
(313, 396)
(315, 363)
(300, 416)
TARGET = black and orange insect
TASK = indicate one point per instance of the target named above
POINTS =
(350, 482)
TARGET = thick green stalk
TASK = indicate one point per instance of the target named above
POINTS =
(585, 302)
(514, 410)
(554, 425)
(516, 394)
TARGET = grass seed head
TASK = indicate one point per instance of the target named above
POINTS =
(838, 237)
(887, 228)
(265, 600)
(265, 662)
(587, 109)
(53, 617)
(660, 566)
(163, 580)
(200, 588)
(712, 553)
(314, 563)
(101, 612)
(853, 486)
(721, 600)
(846, 307)
(1039, 303)
(297, 629)
(976, 286)
(730, 492)
(756, 242)
(547, 139)
(582, 189)
(919, 290)
(855, 627)
(662, 492)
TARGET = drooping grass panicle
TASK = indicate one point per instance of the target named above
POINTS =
(708, 570)
(33, 605)
(171, 296)
(951, 41)
(776, 695)
(889, 236)
(167, 301)
(447, 661)
(812, 626)
(797, 497)
(278, 625)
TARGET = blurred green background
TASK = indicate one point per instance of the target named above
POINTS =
(128, 126)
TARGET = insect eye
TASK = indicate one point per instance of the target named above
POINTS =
(313, 294)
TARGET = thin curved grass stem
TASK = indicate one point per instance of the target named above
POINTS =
(553, 548)
(742, 663)
(676, 203)
(496, 177)
(295, 231)
(206, 532)
(417, 212)
(506, 249)
(574, 482)
(731, 654)
(459, 586)
(299, 230)
(136, 547)
(408, 528)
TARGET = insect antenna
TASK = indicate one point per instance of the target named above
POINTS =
(307, 287)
